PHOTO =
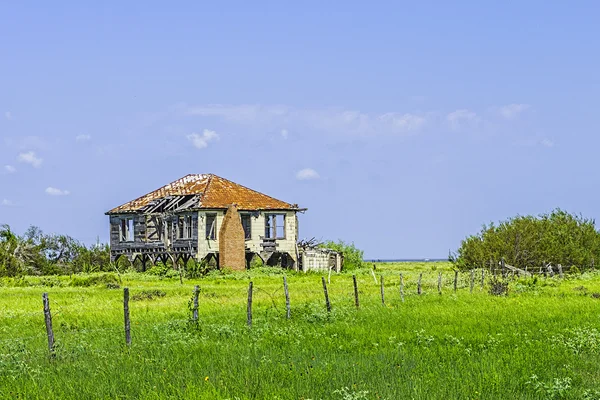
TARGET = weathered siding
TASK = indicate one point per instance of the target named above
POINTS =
(321, 260)
(207, 246)
(257, 228)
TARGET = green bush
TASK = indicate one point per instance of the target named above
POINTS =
(353, 257)
(158, 270)
(532, 242)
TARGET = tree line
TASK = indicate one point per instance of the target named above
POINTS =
(530, 241)
(37, 253)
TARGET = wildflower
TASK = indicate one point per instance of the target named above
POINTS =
(206, 379)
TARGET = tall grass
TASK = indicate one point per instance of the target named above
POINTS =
(540, 341)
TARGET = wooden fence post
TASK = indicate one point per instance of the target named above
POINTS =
(126, 315)
(419, 284)
(482, 277)
(327, 303)
(502, 265)
(402, 287)
(440, 283)
(560, 271)
(472, 279)
(455, 280)
(250, 304)
(382, 290)
(48, 319)
(287, 298)
(195, 311)
(356, 303)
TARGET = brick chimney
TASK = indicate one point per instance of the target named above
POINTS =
(232, 245)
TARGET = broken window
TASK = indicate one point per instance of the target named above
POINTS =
(246, 224)
(211, 226)
(184, 227)
(188, 226)
(126, 230)
(180, 227)
(275, 226)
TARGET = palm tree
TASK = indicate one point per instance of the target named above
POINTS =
(16, 254)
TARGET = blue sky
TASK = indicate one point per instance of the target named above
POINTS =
(401, 126)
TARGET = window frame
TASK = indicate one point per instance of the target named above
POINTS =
(271, 226)
(126, 229)
(211, 231)
(248, 233)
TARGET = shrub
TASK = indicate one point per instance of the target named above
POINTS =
(556, 238)
(158, 270)
(498, 288)
(353, 257)
(195, 269)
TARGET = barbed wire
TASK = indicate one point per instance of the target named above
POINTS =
(340, 288)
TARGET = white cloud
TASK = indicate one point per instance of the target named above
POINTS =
(7, 203)
(547, 142)
(284, 133)
(30, 158)
(307, 174)
(52, 191)
(330, 120)
(83, 138)
(408, 122)
(9, 169)
(8, 115)
(201, 141)
(461, 118)
(243, 113)
(511, 111)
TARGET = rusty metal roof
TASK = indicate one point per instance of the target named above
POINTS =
(214, 192)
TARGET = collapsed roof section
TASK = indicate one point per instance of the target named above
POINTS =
(202, 191)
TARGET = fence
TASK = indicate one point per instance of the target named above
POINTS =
(395, 287)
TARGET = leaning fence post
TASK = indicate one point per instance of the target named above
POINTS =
(126, 315)
(356, 303)
(250, 304)
(439, 282)
(419, 284)
(374, 277)
(287, 298)
(402, 287)
(472, 279)
(48, 319)
(382, 291)
(455, 280)
(195, 311)
(326, 294)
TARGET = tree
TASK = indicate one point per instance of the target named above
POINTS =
(527, 241)
(16, 254)
(40, 254)
(353, 257)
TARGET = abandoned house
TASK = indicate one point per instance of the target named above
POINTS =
(206, 217)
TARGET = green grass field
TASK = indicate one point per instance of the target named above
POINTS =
(540, 341)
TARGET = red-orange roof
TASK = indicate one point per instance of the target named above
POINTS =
(214, 192)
